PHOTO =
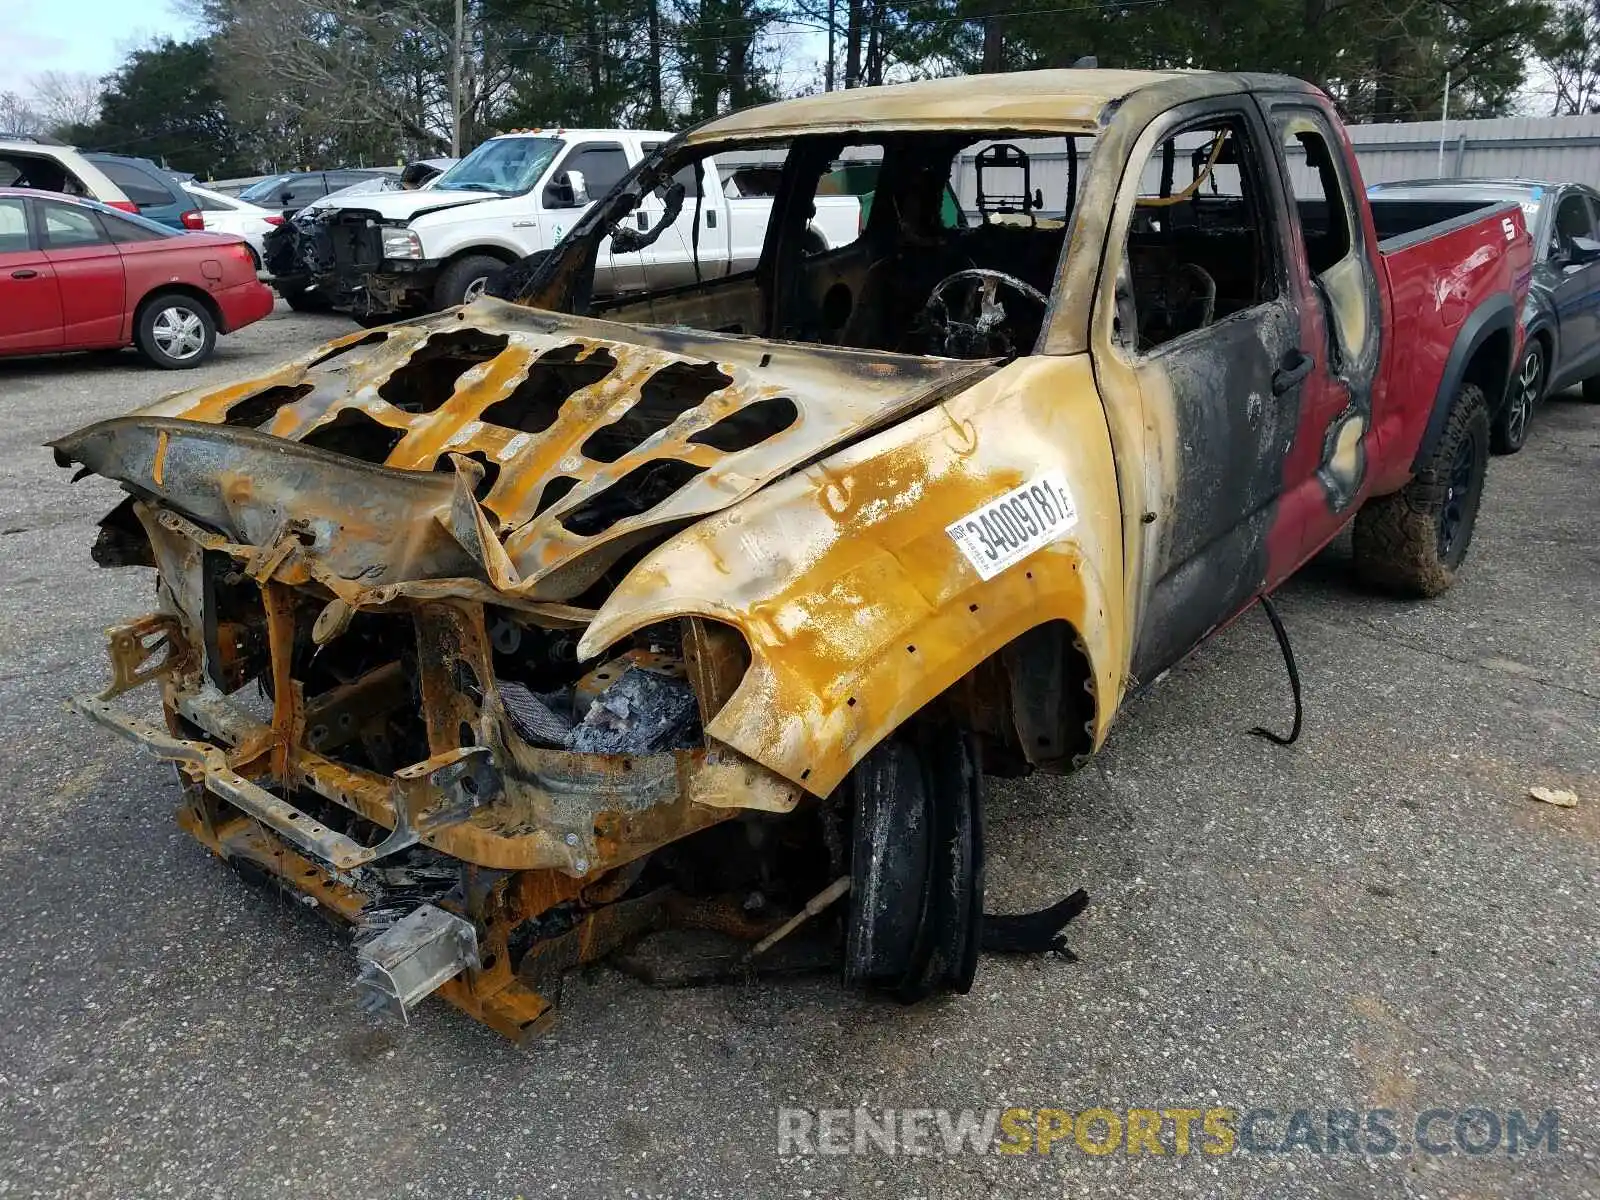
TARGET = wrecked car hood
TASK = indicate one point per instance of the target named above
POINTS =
(551, 445)
(402, 205)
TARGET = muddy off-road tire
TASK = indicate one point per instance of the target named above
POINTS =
(1413, 542)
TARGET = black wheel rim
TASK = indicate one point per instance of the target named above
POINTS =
(1458, 493)
(1525, 396)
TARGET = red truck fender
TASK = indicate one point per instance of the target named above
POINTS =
(1484, 349)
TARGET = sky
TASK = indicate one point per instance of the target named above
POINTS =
(77, 35)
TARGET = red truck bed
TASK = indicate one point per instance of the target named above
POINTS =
(1447, 267)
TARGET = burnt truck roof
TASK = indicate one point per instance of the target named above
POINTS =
(1065, 101)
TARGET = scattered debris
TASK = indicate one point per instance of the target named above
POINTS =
(1560, 797)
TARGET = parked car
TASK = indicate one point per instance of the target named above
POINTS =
(515, 195)
(158, 196)
(1561, 316)
(50, 166)
(622, 607)
(292, 191)
(228, 214)
(76, 274)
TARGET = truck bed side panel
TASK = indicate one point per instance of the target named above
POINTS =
(1448, 285)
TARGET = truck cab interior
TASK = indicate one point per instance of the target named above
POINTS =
(922, 276)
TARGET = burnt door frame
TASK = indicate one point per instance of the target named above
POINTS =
(1219, 407)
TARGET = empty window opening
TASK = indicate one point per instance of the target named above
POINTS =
(1196, 250)
(255, 411)
(534, 404)
(429, 377)
(750, 426)
(554, 492)
(376, 338)
(356, 434)
(491, 470)
(637, 492)
(664, 397)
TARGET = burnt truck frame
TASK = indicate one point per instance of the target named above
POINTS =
(509, 634)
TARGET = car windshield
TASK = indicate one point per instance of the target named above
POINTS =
(508, 165)
(264, 189)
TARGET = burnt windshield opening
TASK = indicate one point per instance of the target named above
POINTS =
(840, 239)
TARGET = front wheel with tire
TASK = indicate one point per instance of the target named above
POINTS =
(465, 280)
(1509, 430)
(175, 331)
(1413, 541)
(915, 916)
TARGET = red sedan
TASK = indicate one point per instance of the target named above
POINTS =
(76, 274)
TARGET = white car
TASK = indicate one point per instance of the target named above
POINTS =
(229, 214)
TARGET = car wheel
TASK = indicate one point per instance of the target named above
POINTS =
(1509, 432)
(1413, 541)
(175, 331)
(465, 280)
(1591, 390)
(915, 914)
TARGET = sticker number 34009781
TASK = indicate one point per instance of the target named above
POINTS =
(1010, 527)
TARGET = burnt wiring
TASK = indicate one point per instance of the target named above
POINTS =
(1282, 635)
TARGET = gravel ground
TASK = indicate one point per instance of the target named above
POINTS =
(1375, 918)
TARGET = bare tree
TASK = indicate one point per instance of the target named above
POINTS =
(388, 72)
(1570, 54)
(66, 98)
(18, 115)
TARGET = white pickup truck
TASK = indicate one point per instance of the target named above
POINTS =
(400, 253)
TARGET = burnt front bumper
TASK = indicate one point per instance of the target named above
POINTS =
(538, 850)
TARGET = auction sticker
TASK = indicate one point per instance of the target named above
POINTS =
(1010, 527)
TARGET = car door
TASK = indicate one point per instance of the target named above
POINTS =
(1333, 279)
(1199, 360)
(1573, 267)
(30, 304)
(602, 164)
(88, 270)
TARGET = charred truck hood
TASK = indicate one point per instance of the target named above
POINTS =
(500, 448)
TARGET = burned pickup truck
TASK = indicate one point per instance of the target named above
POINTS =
(509, 634)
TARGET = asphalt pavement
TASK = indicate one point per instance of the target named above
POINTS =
(1378, 918)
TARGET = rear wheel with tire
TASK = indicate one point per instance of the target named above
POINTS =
(1509, 430)
(1414, 541)
(1591, 390)
(465, 280)
(175, 331)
